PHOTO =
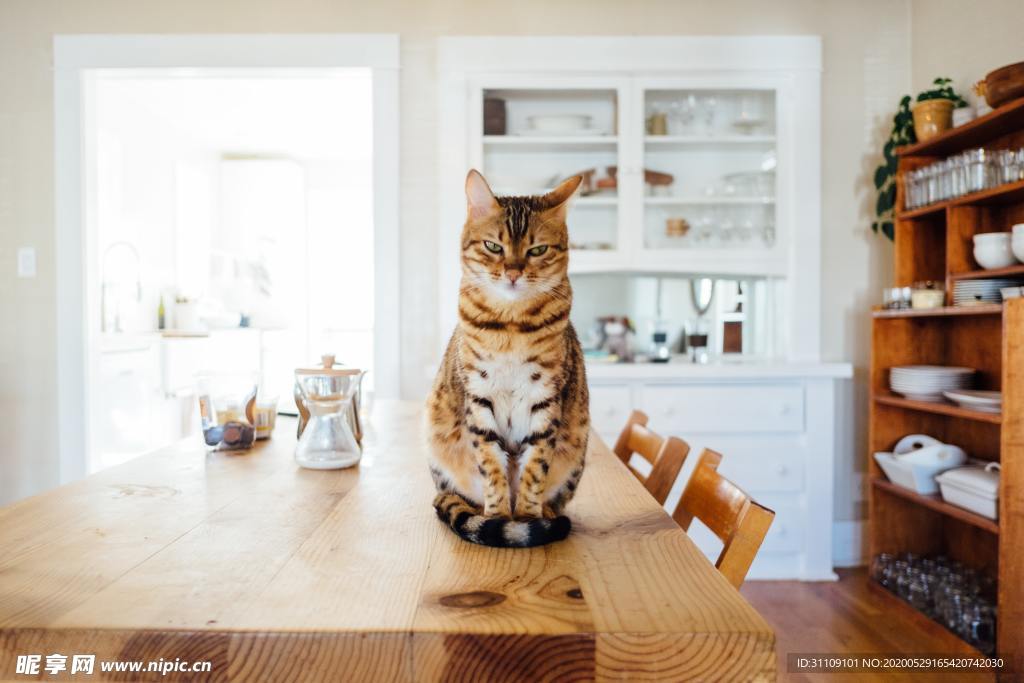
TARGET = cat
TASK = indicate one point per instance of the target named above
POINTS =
(508, 416)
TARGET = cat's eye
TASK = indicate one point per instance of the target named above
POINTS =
(538, 250)
(492, 247)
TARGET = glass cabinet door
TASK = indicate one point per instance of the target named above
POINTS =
(709, 171)
(535, 137)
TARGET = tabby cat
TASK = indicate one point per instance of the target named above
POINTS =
(508, 414)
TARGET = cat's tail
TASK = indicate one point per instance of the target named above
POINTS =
(465, 520)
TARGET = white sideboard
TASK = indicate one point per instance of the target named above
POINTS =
(776, 428)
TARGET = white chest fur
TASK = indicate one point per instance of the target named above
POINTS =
(507, 381)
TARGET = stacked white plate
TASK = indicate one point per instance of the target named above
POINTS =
(984, 401)
(928, 382)
(984, 291)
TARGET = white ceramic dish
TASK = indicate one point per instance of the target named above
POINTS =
(983, 401)
(916, 477)
(1011, 292)
(913, 442)
(972, 488)
(927, 298)
(927, 382)
(944, 455)
(995, 255)
(1017, 246)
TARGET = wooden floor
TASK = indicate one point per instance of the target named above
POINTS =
(845, 617)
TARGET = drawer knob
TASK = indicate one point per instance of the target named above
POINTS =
(782, 470)
(609, 411)
(784, 409)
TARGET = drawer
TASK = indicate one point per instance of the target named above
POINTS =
(610, 406)
(786, 534)
(724, 408)
(758, 464)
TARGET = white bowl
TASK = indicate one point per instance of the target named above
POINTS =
(1017, 230)
(1017, 246)
(992, 237)
(994, 255)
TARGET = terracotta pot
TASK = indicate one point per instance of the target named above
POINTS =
(932, 117)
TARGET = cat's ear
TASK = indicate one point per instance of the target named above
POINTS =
(558, 200)
(479, 198)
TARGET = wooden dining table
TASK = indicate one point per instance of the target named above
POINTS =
(263, 571)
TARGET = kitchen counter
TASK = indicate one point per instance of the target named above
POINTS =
(273, 572)
(747, 369)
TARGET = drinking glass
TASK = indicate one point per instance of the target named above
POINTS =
(879, 565)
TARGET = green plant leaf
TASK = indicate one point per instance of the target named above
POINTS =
(887, 152)
(889, 230)
(882, 174)
(886, 200)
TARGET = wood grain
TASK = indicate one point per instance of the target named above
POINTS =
(848, 616)
(272, 572)
(1011, 490)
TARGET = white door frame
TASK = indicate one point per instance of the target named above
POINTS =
(75, 56)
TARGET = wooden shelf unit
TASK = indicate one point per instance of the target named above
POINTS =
(936, 243)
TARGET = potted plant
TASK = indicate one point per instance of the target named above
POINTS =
(907, 130)
(933, 112)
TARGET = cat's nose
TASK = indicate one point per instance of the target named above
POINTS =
(513, 275)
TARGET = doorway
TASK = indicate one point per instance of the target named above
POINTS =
(234, 217)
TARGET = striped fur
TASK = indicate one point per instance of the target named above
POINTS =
(507, 417)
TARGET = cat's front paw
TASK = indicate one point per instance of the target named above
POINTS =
(502, 509)
(528, 512)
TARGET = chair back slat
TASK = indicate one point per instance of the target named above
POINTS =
(732, 515)
(666, 456)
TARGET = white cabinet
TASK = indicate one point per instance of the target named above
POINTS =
(726, 408)
(610, 405)
(778, 440)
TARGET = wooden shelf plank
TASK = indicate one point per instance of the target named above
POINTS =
(938, 408)
(1009, 271)
(945, 311)
(1006, 119)
(957, 645)
(934, 502)
(1008, 193)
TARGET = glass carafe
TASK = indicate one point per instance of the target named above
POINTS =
(328, 442)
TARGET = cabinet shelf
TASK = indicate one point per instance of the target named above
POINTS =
(1009, 271)
(935, 502)
(674, 141)
(945, 311)
(1009, 193)
(948, 409)
(551, 143)
(709, 201)
(955, 645)
(1006, 119)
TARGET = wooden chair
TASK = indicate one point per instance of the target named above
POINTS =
(734, 517)
(665, 455)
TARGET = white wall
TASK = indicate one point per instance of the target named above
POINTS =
(964, 41)
(866, 68)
